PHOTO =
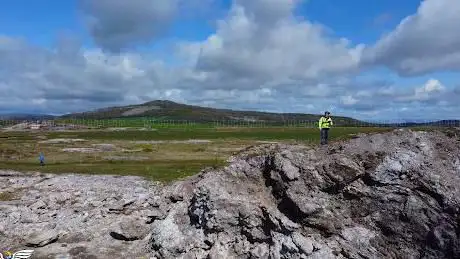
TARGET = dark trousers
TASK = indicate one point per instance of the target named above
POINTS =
(324, 136)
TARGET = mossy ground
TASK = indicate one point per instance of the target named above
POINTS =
(164, 158)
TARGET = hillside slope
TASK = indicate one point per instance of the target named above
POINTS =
(25, 116)
(168, 110)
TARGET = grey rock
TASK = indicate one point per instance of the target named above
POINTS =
(219, 250)
(14, 217)
(386, 195)
(155, 201)
(38, 205)
(261, 250)
(128, 202)
(154, 214)
(287, 168)
(42, 238)
(176, 197)
(303, 243)
(275, 250)
(130, 229)
(28, 216)
(286, 242)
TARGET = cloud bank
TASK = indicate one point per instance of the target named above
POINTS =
(427, 41)
(261, 56)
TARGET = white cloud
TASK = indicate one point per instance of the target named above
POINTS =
(260, 57)
(431, 90)
(432, 86)
(348, 100)
(425, 42)
(427, 101)
(363, 93)
(39, 101)
(49, 81)
(261, 41)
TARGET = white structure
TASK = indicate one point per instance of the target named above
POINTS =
(35, 126)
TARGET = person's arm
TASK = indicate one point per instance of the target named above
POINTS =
(332, 123)
(320, 123)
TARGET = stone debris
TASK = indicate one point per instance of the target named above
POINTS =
(81, 150)
(105, 147)
(69, 215)
(387, 195)
(93, 149)
(125, 158)
(62, 140)
(189, 141)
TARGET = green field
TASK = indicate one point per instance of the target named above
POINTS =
(272, 133)
(161, 122)
(162, 154)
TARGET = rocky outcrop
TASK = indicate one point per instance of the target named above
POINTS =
(76, 216)
(389, 195)
(392, 195)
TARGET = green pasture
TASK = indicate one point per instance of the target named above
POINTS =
(162, 154)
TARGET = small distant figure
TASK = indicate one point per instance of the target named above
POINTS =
(325, 123)
(42, 159)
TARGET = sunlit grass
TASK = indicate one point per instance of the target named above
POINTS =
(157, 154)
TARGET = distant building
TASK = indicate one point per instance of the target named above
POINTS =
(35, 126)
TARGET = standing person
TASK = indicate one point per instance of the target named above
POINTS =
(325, 123)
(42, 159)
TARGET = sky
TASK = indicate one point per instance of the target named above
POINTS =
(382, 60)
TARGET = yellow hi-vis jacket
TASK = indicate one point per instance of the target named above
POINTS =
(325, 123)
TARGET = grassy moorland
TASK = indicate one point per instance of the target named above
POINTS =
(224, 133)
(162, 154)
(180, 124)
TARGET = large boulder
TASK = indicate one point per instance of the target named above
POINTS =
(389, 195)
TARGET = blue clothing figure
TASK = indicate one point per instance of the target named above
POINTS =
(42, 159)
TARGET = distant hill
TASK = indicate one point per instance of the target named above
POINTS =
(168, 110)
(441, 123)
(163, 110)
(25, 116)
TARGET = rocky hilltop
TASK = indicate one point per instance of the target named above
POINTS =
(388, 195)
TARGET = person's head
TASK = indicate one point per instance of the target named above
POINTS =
(327, 114)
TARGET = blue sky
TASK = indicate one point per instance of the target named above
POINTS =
(356, 57)
(359, 20)
(41, 21)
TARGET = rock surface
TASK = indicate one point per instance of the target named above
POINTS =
(76, 216)
(389, 195)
